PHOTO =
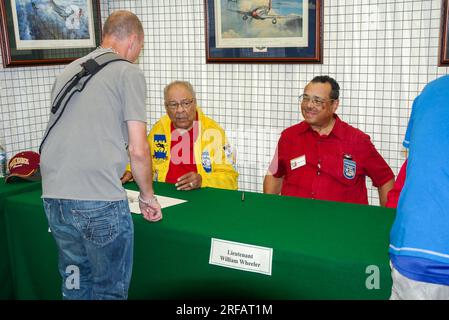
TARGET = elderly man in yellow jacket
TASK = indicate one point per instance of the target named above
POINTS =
(188, 148)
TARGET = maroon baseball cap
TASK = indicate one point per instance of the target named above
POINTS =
(24, 165)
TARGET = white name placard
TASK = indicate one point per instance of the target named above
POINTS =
(241, 256)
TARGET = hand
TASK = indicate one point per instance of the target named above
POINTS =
(127, 176)
(150, 209)
(189, 181)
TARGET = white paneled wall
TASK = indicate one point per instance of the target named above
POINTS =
(381, 52)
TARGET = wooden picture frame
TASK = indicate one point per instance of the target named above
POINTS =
(48, 32)
(284, 31)
(444, 34)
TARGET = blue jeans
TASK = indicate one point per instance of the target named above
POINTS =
(95, 247)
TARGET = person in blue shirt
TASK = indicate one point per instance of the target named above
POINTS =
(419, 238)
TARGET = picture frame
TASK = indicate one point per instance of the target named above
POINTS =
(43, 32)
(444, 34)
(264, 31)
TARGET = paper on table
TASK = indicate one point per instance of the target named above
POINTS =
(133, 200)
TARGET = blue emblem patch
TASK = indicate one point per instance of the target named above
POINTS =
(160, 141)
(349, 168)
(230, 155)
(205, 161)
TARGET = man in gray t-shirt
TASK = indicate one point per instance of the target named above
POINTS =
(83, 154)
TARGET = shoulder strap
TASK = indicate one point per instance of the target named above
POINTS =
(89, 69)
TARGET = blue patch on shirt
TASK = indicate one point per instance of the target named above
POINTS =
(205, 161)
(160, 137)
(349, 169)
(160, 142)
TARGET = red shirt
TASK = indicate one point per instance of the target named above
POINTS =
(331, 167)
(393, 194)
(182, 156)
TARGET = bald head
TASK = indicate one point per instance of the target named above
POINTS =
(123, 32)
(178, 83)
(122, 24)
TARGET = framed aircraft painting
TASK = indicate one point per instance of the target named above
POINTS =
(39, 32)
(263, 31)
(444, 34)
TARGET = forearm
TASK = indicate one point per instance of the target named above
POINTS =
(142, 170)
(383, 192)
(139, 154)
(272, 185)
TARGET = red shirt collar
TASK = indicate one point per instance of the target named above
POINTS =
(337, 130)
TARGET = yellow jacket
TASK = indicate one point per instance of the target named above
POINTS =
(214, 157)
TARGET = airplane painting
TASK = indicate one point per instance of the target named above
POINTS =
(49, 24)
(261, 12)
(261, 23)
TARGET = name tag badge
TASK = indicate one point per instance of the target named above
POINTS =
(298, 162)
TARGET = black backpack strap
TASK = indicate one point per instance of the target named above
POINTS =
(89, 69)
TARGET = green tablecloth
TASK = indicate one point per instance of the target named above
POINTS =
(6, 286)
(321, 250)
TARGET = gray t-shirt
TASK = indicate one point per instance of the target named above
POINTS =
(85, 153)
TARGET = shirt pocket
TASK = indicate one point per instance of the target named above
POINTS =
(342, 163)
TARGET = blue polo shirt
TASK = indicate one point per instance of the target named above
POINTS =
(419, 238)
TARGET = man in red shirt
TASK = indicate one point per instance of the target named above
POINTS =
(323, 157)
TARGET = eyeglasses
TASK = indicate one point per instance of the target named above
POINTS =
(185, 104)
(316, 101)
